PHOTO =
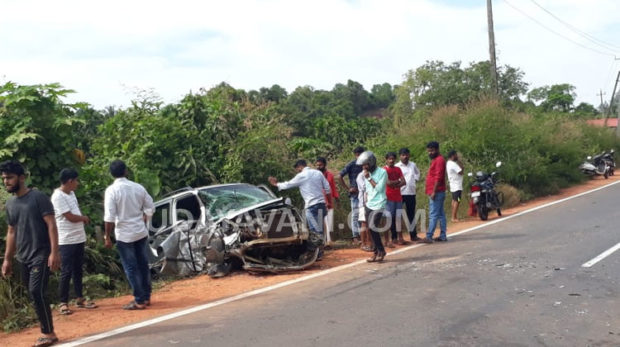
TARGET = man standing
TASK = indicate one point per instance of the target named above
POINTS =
(314, 190)
(436, 191)
(454, 167)
(127, 207)
(321, 165)
(376, 200)
(71, 239)
(366, 244)
(394, 199)
(408, 191)
(33, 238)
(351, 170)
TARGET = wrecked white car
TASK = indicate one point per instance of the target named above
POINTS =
(212, 229)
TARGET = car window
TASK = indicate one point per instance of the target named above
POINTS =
(187, 208)
(161, 218)
(221, 200)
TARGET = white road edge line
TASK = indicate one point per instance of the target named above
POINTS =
(602, 256)
(259, 291)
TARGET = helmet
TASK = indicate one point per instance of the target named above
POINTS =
(367, 157)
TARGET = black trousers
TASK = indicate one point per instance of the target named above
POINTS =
(35, 275)
(409, 202)
(374, 219)
(72, 257)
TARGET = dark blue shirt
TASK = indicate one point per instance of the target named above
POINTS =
(351, 170)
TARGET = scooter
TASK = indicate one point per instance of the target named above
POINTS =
(596, 165)
(483, 193)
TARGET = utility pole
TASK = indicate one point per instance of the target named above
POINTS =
(611, 106)
(601, 95)
(492, 48)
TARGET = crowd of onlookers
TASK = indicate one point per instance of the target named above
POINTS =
(47, 234)
(382, 198)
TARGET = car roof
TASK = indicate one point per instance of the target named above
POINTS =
(185, 190)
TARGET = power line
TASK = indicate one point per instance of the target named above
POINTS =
(556, 33)
(584, 34)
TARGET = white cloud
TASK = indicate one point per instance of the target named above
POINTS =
(97, 48)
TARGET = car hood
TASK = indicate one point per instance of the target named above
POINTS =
(278, 202)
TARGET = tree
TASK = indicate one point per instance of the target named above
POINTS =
(38, 129)
(273, 94)
(382, 95)
(438, 84)
(557, 97)
(586, 110)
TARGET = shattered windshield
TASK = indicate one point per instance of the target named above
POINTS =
(221, 200)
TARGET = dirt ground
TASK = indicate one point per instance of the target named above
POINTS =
(201, 289)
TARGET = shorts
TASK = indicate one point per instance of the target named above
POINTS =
(456, 196)
(362, 215)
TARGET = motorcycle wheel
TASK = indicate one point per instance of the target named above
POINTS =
(483, 211)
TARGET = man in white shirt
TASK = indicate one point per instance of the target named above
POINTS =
(408, 191)
(127, 207)
(314, 190)
(71, 240)
(454, 168)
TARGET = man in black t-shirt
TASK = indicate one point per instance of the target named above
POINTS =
(32, 238)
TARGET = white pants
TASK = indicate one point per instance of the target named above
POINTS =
(329, 226)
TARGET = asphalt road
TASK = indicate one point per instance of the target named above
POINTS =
(515, 283)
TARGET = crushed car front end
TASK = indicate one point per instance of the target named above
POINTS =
(239, 224)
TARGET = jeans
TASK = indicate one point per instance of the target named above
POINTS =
(409, 201)
(35, 275)
(136, 265)
(394, 211)
(437, 213)
(374, 224)
(72, 258)
(314, 218)
(355, 223)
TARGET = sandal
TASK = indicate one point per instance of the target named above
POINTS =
(372, 259)
(64, 310)
(380, 257)
(133, 306)
(44, 341)
(85, 304)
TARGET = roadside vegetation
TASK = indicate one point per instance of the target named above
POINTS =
(225, 134)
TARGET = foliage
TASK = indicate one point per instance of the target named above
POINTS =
(438, 84)
(540, 154)
(585, 110)
(37, 129)
(558, 97)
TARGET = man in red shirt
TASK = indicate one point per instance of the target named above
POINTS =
(436, 191)
(321, 165)
(394, 205)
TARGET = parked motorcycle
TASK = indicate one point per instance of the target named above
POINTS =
(597, 165)
(609, 158)
(483, 193)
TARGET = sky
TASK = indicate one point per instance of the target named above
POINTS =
(106, 50)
